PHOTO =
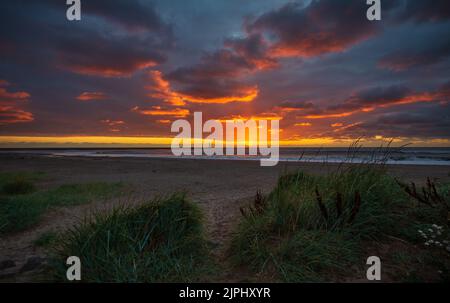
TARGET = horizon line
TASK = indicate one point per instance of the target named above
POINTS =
(11, 142)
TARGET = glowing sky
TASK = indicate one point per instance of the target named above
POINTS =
(128, 69)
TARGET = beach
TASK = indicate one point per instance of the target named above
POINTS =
(219, 187)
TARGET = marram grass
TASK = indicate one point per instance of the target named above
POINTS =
(309, 228)
(159, 241)
(20, 212)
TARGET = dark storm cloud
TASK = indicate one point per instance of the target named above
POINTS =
(410, 58)
(418, 121)
(134, 15)
(113, 56)
(368, 100)
(222, 63)
(89, 46)
(321, 27)
(253, 49)
(215, 76)
(49, 57)
(296, 105)
(293, 30)
(422, 11)
(131, 14)
(378, 96)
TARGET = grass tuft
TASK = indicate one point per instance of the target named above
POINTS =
(159, 241)
(18, 186)
(19, 212)
(18, 183)
(47, 239)
(312, 224)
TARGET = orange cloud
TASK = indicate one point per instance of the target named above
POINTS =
(114, 125)
(158, 111)
(113, 122)
(359, 105)
(13, 96)
(337, 115)
(11, 114)
(89, 96)
(244, 95)
(313, 30)
(10, 106)
(161, 89)
(110, 72)
(303, 124)
(347, 126)
(262, 116)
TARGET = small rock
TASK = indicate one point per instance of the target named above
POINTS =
(32, 263)
(7, 264)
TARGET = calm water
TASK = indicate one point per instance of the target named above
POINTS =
(416, 156)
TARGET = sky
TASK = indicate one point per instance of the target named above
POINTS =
(128, 69)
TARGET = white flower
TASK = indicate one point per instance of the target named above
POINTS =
(434, 225)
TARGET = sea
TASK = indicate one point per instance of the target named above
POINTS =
(404, 156)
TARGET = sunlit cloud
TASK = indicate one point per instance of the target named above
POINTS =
(113, 122)
(11, 104)
(90, 96)
(315, 29)
(110, 71)
(303, 124)
(243, 95)
(159, 111)
(11, 114)
(5, 95)
(161, 89)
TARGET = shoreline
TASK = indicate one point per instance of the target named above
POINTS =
(436, 163)
(92, 165)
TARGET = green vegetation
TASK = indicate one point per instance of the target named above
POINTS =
(21, 206)
(159, 241)
(18, 183)
(313, 228)
(47, 239)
